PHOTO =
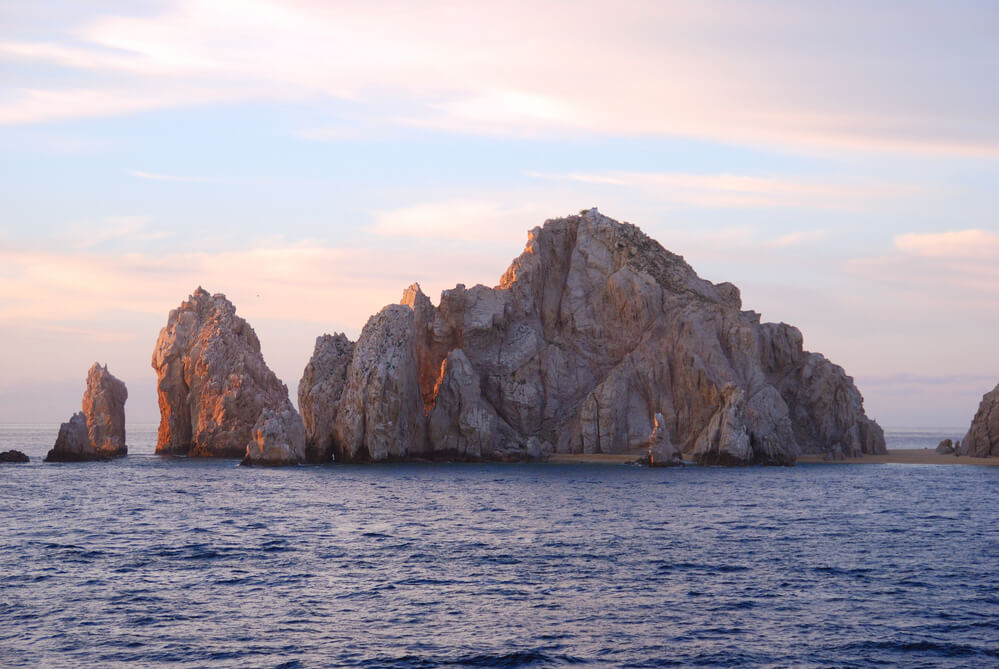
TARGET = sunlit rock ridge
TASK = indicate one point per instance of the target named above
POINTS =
(595, 338)
(216, 394)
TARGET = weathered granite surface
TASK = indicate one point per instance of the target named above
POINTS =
(278, 439)
(319, 393)
(98, 431)
(593, 331)
(982, 439)
(213, 386)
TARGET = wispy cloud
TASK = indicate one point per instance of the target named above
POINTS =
(953, 274)
(91, 235)
(952, 244)
(905, 379)
(681, 68)
(458, 219)
(277, 280)
(740, 190)
(152, 176)
(798, 238)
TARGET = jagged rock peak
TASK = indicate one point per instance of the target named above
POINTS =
(213, 383)
(595, 338)
(98, 431)
(982, 439)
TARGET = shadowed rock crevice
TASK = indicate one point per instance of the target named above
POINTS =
(593, 332)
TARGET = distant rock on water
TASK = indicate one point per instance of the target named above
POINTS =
(14, 456)
(593, 331)
(97, 432)
(982, 439)
(217, 396)
(946, 447)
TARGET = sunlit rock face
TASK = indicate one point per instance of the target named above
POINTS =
(213, 385)
(982, 439)
(98, 431)
(277, 439)
(661, 452)
(593, 331)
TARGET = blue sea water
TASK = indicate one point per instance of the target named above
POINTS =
(149, 561)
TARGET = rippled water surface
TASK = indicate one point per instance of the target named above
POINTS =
(146, 561)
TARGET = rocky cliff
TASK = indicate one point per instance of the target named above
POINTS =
(98, 431)
(217, 396)
(982, 439)
(596, 338)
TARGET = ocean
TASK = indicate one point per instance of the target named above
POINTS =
(149, 561)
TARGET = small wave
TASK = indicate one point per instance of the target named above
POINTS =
(524, 658)
(938, 648)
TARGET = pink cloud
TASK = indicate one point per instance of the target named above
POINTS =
(695, 69)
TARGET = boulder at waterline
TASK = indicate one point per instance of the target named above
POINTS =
(278, 439)
(946, 447)
(14, 456)
(661, 453)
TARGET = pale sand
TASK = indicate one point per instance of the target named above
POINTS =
(908, 456)
(564, 458)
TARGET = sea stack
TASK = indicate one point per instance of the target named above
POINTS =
(595, 338)
(98, 431)
(214, 387)
(946, 447)
(982, 439)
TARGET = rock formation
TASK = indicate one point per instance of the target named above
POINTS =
(946, 447)
(278, 438)
(661, 453)
(214, 387)
(593, 331)
(14, 456)
(98, 431)
(319, 393)
(982, 439)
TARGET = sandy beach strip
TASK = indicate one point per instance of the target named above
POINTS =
(595, 458)
(905, 456)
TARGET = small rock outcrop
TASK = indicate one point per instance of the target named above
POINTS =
(595, 337)
(14, 456)
(946, 447)
(98, 431)
(213, 387)
(278, 439)
(982, 439)
(662, 453)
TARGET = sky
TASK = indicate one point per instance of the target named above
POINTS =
(837, 161)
